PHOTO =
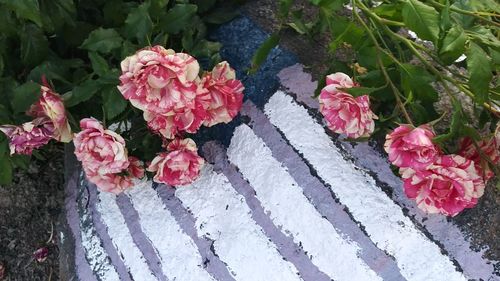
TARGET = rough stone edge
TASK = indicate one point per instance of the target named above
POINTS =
(66, 241)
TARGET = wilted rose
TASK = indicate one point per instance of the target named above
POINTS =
(30, 135)
(411, 147)
(179, 166)
(447, 186)
(226, 93)
(101, 151)
(51, 105)
(41, 254)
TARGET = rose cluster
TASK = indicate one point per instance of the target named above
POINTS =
(105, 158)
(165, 85)
(440, 183)
(50, 122)
(174, 100)
(345, 114)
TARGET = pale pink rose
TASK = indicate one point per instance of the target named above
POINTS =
(30, 135)
(179, 166)
(226, 94)
(340, 80)
(159, 80)
(118, 182)
(51, 105)
(101, 151)
(489, 147)
(411, 147)
(447, 186)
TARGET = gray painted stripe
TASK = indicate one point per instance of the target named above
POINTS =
(448, 234)
(140, 239)
(83, 269)
(95, 254)
(102, 233)
(287, 248)
(185, 219)
(319, 195)
(383, 220)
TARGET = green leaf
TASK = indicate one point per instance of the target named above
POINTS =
(34, 45)
(99, 64)
(284, 8)
(417, 80)
(2, 65)
(445, 20)
(390, 11)
(221, 15)
(138, 23)
(453, 45)
(102, 40)
(422, 19)
(479, 67)
(20, 161)
(25, 9)
(24, 96)
(464, 20)
(457, 119)
(178, 18)
(55, 68)
(81, 93)
(157, 8)
(57, 13)
(360, 91)
(204, 5)
(259, 57)
(114, 103)
(5, 170)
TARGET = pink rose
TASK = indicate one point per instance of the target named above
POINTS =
(340, 80)
(226, 94)
(159, 80)
(411, 147)
(345, 114)
(490, 148)
(180, 166)
(118, 182)
(51, 105)
(100, 151)
(30, 135)
(448, 186)
(171, 124)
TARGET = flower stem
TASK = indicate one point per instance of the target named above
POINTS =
(382, 67)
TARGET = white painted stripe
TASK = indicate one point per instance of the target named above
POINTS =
(122, 239)
(417, 257)
(223, 216)
(96, 255)
(292, 212)
(178, 253)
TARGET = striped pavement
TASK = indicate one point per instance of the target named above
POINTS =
(280, 199)
(280, 202)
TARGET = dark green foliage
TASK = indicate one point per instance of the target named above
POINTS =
(78, 46)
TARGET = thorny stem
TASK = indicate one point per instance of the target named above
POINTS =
(382, 68)
(412, 46)
(478, 15)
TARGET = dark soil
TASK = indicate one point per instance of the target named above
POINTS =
(481, 223)
(29, 207)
